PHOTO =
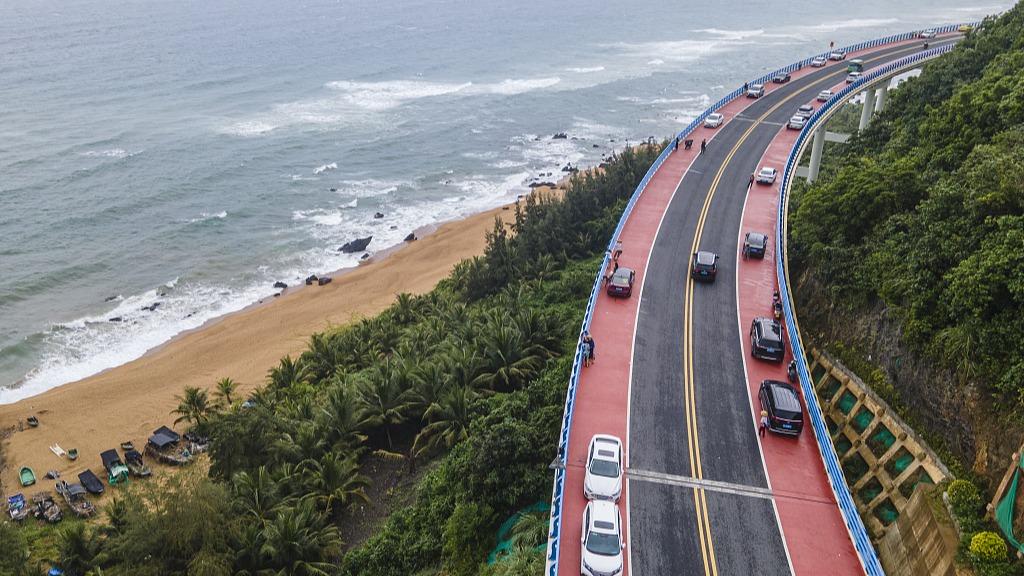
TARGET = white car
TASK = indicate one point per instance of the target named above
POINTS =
(819, 61)
(837, 55)
(601, 542)
(796, 122)
(603, 480)
(755, 90)
(852, 77)
(928, 34)
(806, 111)
(766, 175)
(714, 120)
(824, 95)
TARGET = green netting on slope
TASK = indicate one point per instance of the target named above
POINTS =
(1004, 511)
(505, 532)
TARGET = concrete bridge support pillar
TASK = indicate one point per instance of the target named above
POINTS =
(816, 149)
(883, 93)
(868, 109)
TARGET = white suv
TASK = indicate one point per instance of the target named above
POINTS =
(603, 480)
(601, 542)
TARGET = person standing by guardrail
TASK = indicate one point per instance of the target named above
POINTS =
(703, 145)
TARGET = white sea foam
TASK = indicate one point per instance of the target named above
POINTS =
(209, 216)
(325, 167)
(117, 153)
(849, 23)
(379, 96)
(513, 86)
(586, 69)
(370, 187)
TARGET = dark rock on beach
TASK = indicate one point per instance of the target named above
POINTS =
(280, 285)
(310, 279)
(116, 319)
(560, 136)
(394, 227)
(357, 245)
(334, 189)
(151, 307)
(411, 237)
(110, 298)
(378, 215)
(365, 256)
(542, 184)
(323, 280)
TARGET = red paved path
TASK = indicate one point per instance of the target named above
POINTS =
(813, 527)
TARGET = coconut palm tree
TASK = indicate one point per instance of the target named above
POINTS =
(449, 421)
(338, 419)
(304, 442)
(255, 495)
(225, 388)
(508, 362)
(322, 356)
(288, 374)
(77, 548)
(405, 308)
(383, 395)
(531, 528)
(336, 482)
(300, 542)
(430, 381)
(194, 407)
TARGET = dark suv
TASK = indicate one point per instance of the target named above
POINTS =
(785, 412)
(705, 266)
(754, 245)
(766, 340)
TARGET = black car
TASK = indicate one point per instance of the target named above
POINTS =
(704, 266)
(766, 340)
(621, 282)
(755, 245)
(780, 78)
(785, 412)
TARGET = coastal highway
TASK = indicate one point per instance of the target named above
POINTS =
(671, 376)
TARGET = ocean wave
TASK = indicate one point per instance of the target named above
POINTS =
(512, 86)
(204, 216)
(325, 168)
(116, 153)
(380, 96)
(371, 187)
(586, 69)
(850, 23)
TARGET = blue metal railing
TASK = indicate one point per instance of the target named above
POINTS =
(837, 479)
(558, 490)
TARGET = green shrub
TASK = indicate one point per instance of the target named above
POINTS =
(988, 547)
(965, 498)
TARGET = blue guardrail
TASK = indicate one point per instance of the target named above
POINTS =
(853, 522)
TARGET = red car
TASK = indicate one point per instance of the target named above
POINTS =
(621, 282)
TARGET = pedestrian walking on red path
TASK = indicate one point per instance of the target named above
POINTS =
(588, 348)
(618, 251)
(751, 183)
(703, 145)
(676, 148)
(763, 428)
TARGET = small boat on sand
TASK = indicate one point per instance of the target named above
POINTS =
(32, 421)
(27, 476)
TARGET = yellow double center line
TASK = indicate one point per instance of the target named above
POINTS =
(689, 394)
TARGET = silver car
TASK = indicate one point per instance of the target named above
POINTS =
(806, 111)
(755, 90)
(819, 61)
(603, 480)
(796, 122)
(837, 55)
(928, 34)
(766, 175)
(714, 120)
(852, 77)
(601, 543)
(824, 95)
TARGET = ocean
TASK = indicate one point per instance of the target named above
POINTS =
(164, 163)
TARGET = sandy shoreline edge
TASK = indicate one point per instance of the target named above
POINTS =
(127, 402)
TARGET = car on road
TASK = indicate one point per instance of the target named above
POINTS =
(621, 282)
(780, 78)
(852, 77)
(714, 120)
(824, 95)
(796, 122)
(782, 403)
(806, 111)
(766, 340)
(755, 90)
(930, 33)
(819, 61)
(766, 175)
(755, 244)
(601, 543)
(603, 480)
(837, 55)
(704, 266)
(965, 28)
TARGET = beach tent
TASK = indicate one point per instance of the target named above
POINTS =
(161, 441)
(165, 431)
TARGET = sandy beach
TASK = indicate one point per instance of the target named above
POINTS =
(128, 402)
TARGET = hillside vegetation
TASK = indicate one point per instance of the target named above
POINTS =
(466, 382)
(921, 217)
